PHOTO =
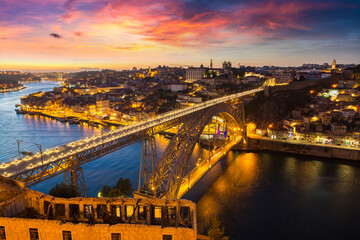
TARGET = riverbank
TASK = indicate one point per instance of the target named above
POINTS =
(257, 144)
(70, 119)
(15, 89)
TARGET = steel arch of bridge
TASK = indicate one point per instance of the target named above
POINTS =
(163, 177)
(68, 158)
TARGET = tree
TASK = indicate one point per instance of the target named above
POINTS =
(122, 188)
(106, 189)
(216, 232)
(125, 186)
(63, 190)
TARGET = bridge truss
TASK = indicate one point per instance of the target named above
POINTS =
(70, 165)
(161, 178)
(158, 176)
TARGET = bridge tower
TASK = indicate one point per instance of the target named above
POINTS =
(75, 177)
(147, 163)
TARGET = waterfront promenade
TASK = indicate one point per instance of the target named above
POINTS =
(256, 142)
(15, 89)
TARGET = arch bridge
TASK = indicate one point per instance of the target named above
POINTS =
(169, 176)
(158, 177)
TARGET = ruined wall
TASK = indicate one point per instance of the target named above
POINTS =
(92, 218)
(18, 228)
(312, 150)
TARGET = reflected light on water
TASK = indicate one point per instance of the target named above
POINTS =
(237, 181)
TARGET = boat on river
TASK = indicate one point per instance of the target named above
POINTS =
(74, 121)
(27, 153)
(63, 119)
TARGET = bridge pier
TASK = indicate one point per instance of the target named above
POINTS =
(147, 163)
(75, 177)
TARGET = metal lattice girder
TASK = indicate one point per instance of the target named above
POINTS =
(33, 175)
(147, 162)
(76, 177)
(58, 166)
(174, 162)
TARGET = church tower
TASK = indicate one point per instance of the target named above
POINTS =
(211, 64)
(333, 66)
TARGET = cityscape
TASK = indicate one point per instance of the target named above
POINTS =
(179, 120)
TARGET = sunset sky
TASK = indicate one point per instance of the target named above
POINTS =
(46, 35)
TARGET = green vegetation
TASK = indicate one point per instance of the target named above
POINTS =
(123, 188)
(64, 191)
(216, 232)
(238, 72)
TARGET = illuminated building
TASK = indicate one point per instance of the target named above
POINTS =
(282, 77)
(194, 74)
(102, 106)
(28, 214)
(333, 66)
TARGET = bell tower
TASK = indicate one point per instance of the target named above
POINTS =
(333, 66)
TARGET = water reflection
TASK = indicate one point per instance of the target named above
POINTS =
(257, 196)
(266, 196)
(238, 181)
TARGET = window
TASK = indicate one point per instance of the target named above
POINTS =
(60, 210)
(115, 236)
(88, 210)
(100, 210)
(116, 211)
(129, 210)
(172, 213)
(66, 235)
(74, 210)
(34, 234)
(185, 213)
(46, 207)
(157, 213)
(142, 212)
(2, 233)
(167, 237)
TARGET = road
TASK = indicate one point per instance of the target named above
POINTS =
(55, 154)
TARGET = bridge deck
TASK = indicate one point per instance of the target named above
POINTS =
(57, 160)
(199, 171)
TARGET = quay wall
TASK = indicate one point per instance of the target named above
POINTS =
(304, 149)
(15, 89)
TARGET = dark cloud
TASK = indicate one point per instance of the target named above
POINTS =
(55, 35)
(78, 34)
(3, 38)
(69, 4)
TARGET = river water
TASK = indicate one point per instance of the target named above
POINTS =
(254, 195)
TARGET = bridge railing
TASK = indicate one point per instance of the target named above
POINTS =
(101, 138)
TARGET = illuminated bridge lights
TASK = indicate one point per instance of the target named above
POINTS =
(98, 145)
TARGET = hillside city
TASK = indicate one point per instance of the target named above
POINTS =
(330, 114)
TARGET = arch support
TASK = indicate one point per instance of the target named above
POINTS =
(75, 177)
(173, 165)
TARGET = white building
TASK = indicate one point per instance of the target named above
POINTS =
(282, 77)
(177, 87)
(194, 74)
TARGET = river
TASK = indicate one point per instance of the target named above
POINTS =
(255, 195)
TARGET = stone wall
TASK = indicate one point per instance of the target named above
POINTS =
(301, 85)
(18, 228)
(305, 149)
(92, 218)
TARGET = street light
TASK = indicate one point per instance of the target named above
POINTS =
(38, 145)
